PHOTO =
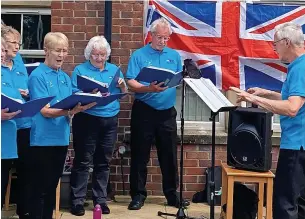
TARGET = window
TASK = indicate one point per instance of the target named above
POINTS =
(33, 24)
(276, 123)
(196, 112)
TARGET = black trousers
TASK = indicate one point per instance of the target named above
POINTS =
(23, 170)
(289, 185)
(148, 124)
(47, 164)
(93, 141)
(6, 165)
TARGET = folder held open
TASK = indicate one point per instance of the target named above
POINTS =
(28, 109)
(151, 74)
(87, 84)
(84, 98)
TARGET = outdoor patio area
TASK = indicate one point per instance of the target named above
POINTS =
(119, 210)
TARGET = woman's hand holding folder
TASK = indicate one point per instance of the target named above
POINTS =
(5, 115)
(79, 108)
(122, 85)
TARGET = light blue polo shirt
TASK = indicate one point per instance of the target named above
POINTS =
(45, 82)
(147, 56)
(105, 76)
(20, 80)
(8, 127)
(18, 58)
(293, 128)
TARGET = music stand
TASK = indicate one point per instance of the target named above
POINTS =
(180, 213)
(217, 102)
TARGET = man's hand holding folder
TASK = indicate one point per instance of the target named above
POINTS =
(155, 76)
(157, 87)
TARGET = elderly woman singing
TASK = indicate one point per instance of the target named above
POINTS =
(50, 133)
(8, 126)
(16, 72)
(94, 130)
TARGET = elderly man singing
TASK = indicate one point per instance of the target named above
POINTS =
(289, 184)
(153, 116)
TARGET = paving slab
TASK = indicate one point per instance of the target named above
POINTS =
(149, 211)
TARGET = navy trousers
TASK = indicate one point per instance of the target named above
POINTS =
(93, 141)
(289, 185)
(47, 164)
(147, 125)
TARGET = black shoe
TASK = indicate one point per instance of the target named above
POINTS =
(105, 208)
(176, 203)
(77, 210)
(135, 204)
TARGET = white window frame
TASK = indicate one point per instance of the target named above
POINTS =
(199, 126)
(26, 53)
(276, 127)
(194, 126)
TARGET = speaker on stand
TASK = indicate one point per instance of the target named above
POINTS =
(249, 139)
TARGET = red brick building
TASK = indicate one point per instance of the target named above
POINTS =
(81, 20)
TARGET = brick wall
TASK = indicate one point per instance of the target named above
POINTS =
(196, 160)
(82, 20)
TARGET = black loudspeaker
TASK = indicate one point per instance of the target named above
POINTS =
(249, 139)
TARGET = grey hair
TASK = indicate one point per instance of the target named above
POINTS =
(3, 42)
(290, 31)
(97, 42)
(7, 30)
(161, 22)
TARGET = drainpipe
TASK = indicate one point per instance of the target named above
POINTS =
(108, 22)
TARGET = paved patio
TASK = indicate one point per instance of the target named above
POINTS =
(149, 211)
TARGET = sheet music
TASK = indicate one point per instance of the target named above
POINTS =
(14, 99)
(208, 92)
(95, 81)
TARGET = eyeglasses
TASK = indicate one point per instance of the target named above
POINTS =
(275, 42)
(59, 51)
(94, 56)
(14, 42)
(160, 38)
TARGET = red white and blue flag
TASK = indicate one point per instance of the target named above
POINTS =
(232, 42)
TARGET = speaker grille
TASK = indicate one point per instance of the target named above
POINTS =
(245, 135)
(249, 139)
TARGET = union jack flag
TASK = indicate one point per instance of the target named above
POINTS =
(232, 42)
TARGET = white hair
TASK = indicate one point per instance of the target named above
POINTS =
(97, 42)
(290, 31)
(3, 42)
(161, 22)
